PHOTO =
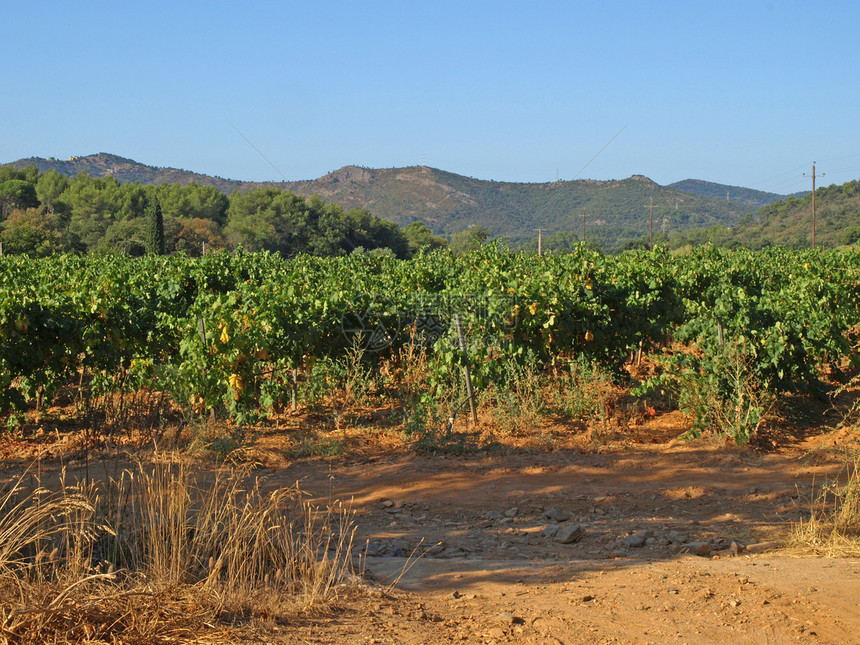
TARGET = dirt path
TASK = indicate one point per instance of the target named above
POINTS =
(635, 545)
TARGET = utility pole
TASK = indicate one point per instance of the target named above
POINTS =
(583, 225)
(540, 247)
(813, 202)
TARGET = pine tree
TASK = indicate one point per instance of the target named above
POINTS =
(155, 228)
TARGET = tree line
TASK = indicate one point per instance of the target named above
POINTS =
(42, 213)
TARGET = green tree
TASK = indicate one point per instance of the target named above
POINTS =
(418, 236)
(17, 194)
(124, 236)
(94, 203)
(36, 233)
(154, 228)
(49, 190)
(471, 239)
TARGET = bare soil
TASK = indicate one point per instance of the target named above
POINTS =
(678, 541)
(459, 551)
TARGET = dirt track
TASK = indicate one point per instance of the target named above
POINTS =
(492, 572)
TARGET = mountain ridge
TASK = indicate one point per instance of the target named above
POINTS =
(614, 211)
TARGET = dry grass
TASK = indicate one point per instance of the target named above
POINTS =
(833, 527)
(163, 555)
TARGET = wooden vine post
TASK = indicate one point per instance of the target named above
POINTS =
(458, 321)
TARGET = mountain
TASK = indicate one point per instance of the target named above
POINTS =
(615, 211)
(128, 170)
(746, 196)
(788, 222)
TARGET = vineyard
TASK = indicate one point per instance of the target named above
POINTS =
(238, 336)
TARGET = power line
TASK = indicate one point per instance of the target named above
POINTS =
(598, 152)
(260, 153)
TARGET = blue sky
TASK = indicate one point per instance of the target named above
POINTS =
(744, 93)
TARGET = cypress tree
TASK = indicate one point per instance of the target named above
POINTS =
(155, 228)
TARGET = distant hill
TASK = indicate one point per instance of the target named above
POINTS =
(128, 170)
(746, 196)
(615, 211)
(789, 222)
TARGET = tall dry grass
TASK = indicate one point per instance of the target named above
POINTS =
(833, 526)
(163, 553)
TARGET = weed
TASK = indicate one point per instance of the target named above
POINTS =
(159, 552)
(720, 391)
(833, 527)
(316, 446)
(586, 392)
(430, 431)
(220, 440)
(518, 403)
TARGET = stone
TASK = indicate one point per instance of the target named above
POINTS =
(436, 549)
(633, 541)
(505, 618)
(698, 548)
(760, 547)
(556, 514)
(676, 537)
(569, 534)
(512, 511)
(550, 530)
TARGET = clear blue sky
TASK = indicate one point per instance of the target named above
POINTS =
(745, 93)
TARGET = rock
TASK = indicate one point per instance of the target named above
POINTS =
(512, 511)
(556, 515)
(569, 534)
(550, 530)
(760, 547)
(734, 549)
(493, 515)
(676, 537)
(699, 548)
(505, 618)
(387, 504)
(453, 553)
(371, 550)
(633, 541)
(436, 549)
